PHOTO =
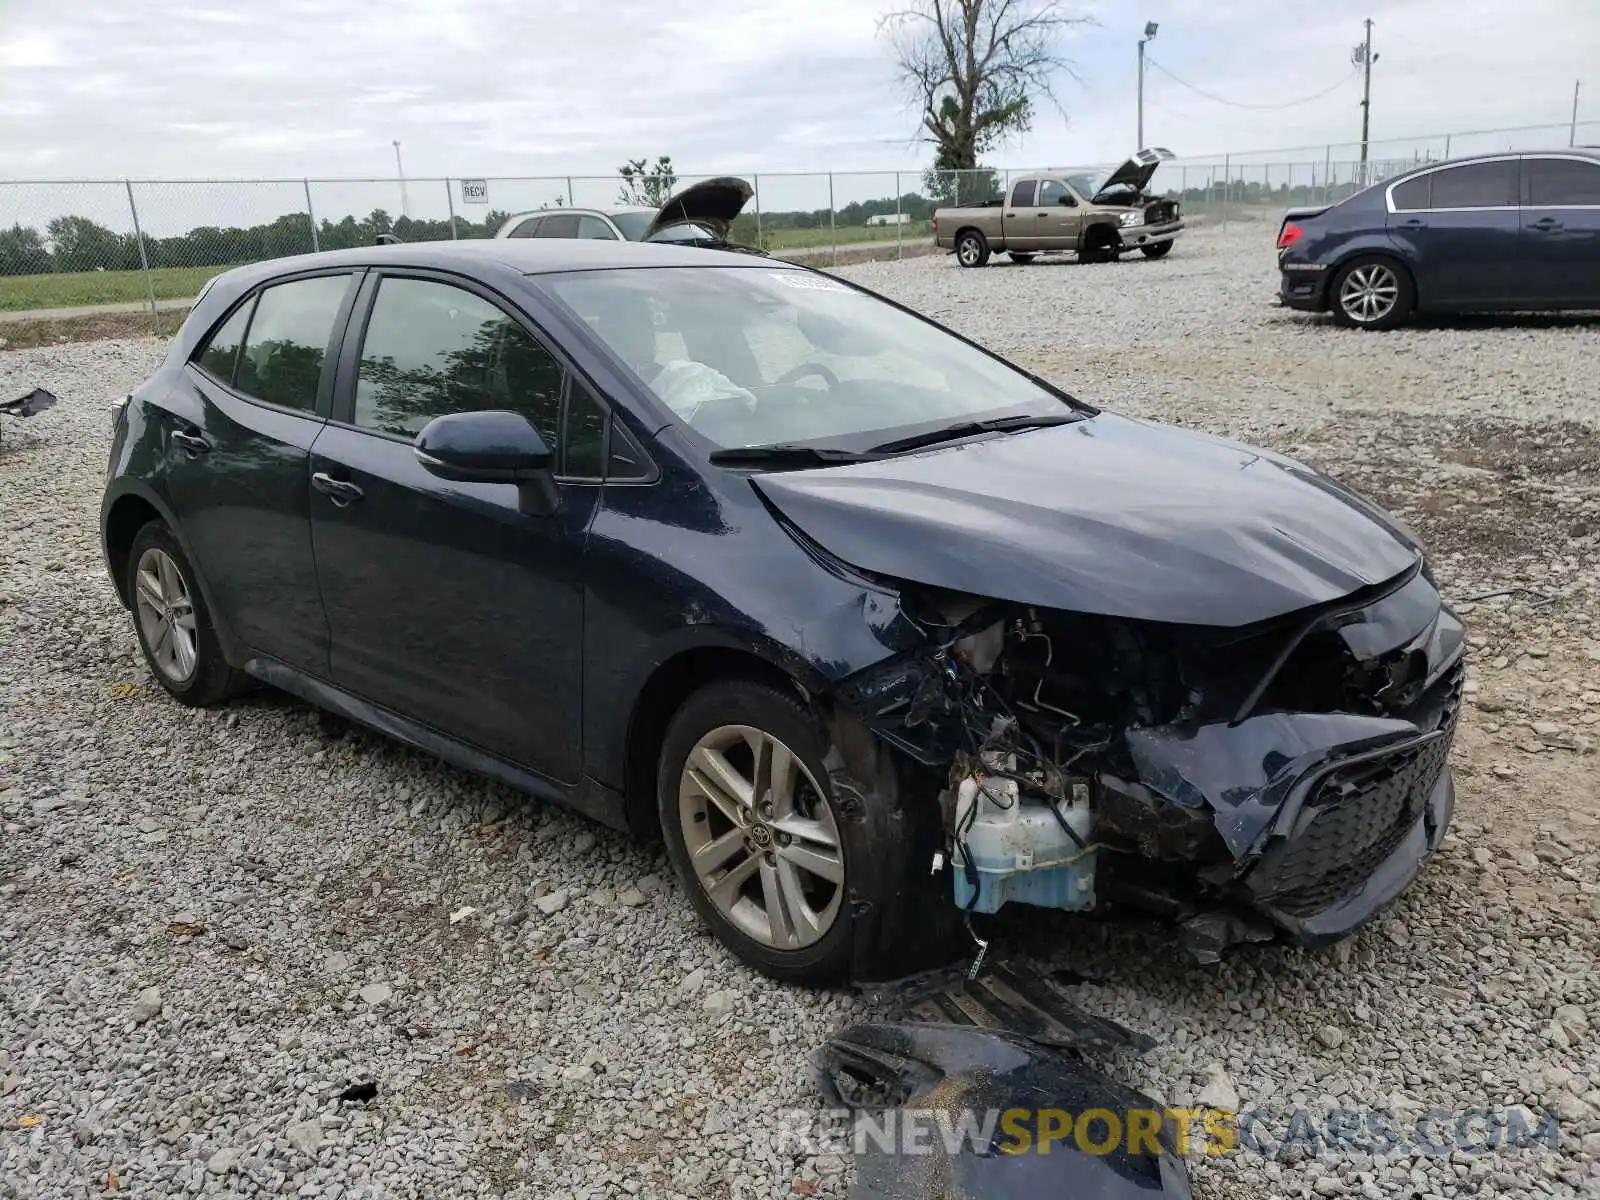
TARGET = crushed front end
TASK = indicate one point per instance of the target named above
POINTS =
(1287, 777)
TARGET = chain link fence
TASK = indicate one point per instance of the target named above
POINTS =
(147, 245)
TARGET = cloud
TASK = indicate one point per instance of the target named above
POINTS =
(292, 88)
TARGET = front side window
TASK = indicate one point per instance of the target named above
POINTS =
(529, 228)
(594, 227)
(1475, 185)
(1052, 192)
(1560, 182)
(281, 361)
(753, 356)
(222, 351)
(431, 349)
(1022, 194)
(562, 226)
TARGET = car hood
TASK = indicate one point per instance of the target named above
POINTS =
(1135, 173)
(713, 203)
(1108, 515)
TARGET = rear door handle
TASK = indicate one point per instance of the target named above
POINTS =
(193, 444)
(340, 491)
(1545, 224)
(1414, 223)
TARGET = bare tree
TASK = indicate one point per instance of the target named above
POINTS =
(975, 67)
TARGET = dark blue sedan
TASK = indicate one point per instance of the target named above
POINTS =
(1500, 232)
(877, 630)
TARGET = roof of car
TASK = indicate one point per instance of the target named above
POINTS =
(530, 256)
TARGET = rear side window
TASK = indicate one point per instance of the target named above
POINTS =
(1476, 185)
(222, 351)
(1412, 195)
(433, 348)
(1022, 194)
(564, 226)
(529, 228)
(1555, 182)
(281, 362)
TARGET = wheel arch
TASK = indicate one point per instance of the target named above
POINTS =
(125, 516)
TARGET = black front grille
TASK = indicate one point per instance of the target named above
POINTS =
(1363, 813)
(1160, 212)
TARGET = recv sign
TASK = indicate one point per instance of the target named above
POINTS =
(474, 191)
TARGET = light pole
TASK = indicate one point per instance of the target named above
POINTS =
(405, 210)
(1149, 32)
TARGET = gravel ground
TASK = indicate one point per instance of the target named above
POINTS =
(214, 924)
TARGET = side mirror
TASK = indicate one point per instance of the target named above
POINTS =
(491, 447)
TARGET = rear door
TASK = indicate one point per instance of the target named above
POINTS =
(1017, 215)
(446, 603)
(1459, 227)
(1560, 240)
(238, 473)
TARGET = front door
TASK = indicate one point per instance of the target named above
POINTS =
(1057, 217)
(1560, 242)
(237, 470)
(446, 602)
(1460, 227)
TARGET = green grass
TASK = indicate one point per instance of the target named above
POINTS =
(845, 235)
(21, 293)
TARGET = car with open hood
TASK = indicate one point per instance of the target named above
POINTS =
(700, 215)
(1094, 215)
(878, 631)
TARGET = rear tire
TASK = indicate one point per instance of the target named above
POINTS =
(173, 624)
(748, 817)
(972, 248)
(1021, 260)
(1158, 250)
(1372, 292)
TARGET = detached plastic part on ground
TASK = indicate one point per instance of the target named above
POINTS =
(995, 1086)
(31, 405)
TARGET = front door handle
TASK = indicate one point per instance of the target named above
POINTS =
(1546, 224)
(192, 443)
(1414, 223)
(340, 491)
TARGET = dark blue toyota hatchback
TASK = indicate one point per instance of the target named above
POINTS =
(878, 631)
(1501, 232)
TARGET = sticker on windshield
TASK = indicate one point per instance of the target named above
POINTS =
(808, 283)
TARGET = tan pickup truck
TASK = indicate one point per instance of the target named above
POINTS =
(1095, 216)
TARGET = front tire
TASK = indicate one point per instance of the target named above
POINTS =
(172, 621)
(1158, 250)
(753, 830)
(972, 248)
(1372, 292)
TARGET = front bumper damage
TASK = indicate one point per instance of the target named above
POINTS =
(1284, 780)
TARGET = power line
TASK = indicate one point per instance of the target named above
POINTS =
(1237, 104)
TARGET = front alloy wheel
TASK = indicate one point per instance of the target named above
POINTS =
(761, 837)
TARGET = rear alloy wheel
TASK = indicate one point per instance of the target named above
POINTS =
(1156, 249)
(972, 249)
(174, 627)
(752, 830)
(1373, 293)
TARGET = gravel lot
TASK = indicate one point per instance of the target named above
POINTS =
(213, 923)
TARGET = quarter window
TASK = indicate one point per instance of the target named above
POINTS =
(1558, 182)
(222, 351)
(1022, 194)
(1475, 185)
(281, 362)
(432, 349)
(1052, 192)
(586, 434)
(1412, 195)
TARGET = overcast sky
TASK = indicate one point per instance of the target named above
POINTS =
(164, 88)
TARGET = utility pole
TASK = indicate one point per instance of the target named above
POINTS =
(1572, 135)
(1149, 32)
(1362, 56)
(405, 209)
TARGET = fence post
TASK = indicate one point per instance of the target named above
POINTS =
(1327, 175)
(1447, 145)
(899, 222)
(144, 259)
(833, 225)
(450, 204)
(570, 201)
(1227, 186)
(756, 184)
(316, 242)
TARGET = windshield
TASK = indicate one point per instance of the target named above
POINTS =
(758, 357)
(1087, 184)
(634, 225)
(687, 232)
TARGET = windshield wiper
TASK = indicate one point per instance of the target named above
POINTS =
(785, 455)
(961, 429)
